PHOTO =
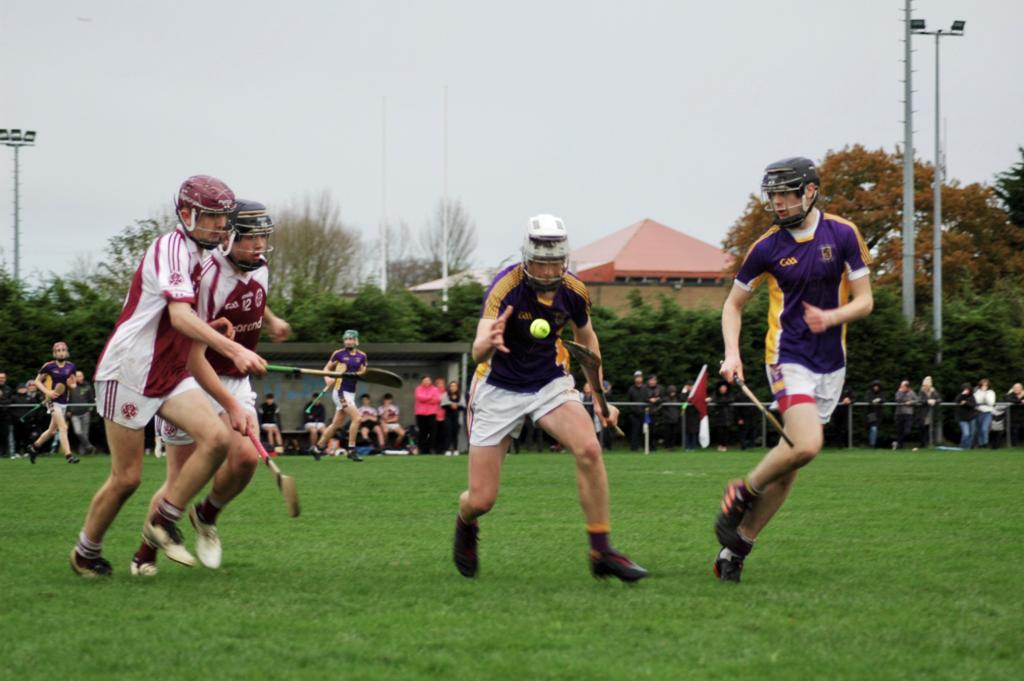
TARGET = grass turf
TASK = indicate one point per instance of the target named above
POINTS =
(881, 566)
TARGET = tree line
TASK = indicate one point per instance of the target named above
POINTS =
(983, 276)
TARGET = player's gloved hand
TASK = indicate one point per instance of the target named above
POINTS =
(223, 326)
(496, 336)
(730, 368)
(248, 362)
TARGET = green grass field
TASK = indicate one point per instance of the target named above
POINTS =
(882, 566)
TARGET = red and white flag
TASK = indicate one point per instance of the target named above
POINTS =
(699, 399)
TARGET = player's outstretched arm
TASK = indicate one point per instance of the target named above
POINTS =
(185, 321)
(490, 337)
(732, 321)
(861, 304)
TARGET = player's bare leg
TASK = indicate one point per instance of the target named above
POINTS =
(484, 481)
(749, 504)
(803, 426)
(190, 411)
(352, 413)
(231, 478)
(570, 424)
(144, 560)
(126, 447)
(61, 425)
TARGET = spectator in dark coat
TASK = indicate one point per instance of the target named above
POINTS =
(722, 419)
(873, 418)
(965, 415)
(1015, 414)
(839, 424)
(6, 396)
(654, 399)
(906, 403)
(671, 420)
(637, 393)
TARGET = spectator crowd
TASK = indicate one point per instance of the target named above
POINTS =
(653, 417)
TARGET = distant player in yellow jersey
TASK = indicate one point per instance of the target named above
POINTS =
(54, 380)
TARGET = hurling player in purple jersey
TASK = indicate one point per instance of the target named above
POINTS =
(351, 360)
(54, 380)
(816, 268)
(519, 376)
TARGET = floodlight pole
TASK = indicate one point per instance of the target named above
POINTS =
(444, 212)
(17, 218)
(908, 174)
(940, 170)
(384, 194)
(15, 139)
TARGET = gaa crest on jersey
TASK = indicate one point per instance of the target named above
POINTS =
(168, 428)
(560, 319)
(259, 298)
(129, 410)
(176, 279)
(826, 253)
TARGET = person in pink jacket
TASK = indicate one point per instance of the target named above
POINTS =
(428, 403)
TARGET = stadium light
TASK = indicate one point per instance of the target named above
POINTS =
(957, 30)
(15, 139)
(917, 24)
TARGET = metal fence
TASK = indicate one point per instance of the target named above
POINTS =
(935, 426)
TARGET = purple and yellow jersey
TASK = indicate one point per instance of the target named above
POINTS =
(54, 374)
(813, 266)
(350, 362)
(531, 363)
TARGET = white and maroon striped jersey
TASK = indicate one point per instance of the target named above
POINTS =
(146, 353)
(388, 413)
(241, 297)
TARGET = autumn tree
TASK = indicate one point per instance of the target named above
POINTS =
(313, 249)
(1010, 190)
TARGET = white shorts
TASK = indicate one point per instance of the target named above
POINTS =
(495, 412)
(795, 384)
(350, 399)
(391, 426)
(130, 409)
(314, 425)
(269, 426)
(57, 406)
(240, 389)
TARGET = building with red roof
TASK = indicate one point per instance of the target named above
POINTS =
(656, 260)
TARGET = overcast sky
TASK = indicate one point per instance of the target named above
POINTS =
(604, 113)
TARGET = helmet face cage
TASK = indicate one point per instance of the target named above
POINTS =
(204, 195)
(250, 220)
(790, 176)
(546, 241)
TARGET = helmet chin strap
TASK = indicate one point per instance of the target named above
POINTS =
(541, 285)
(793, 221)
